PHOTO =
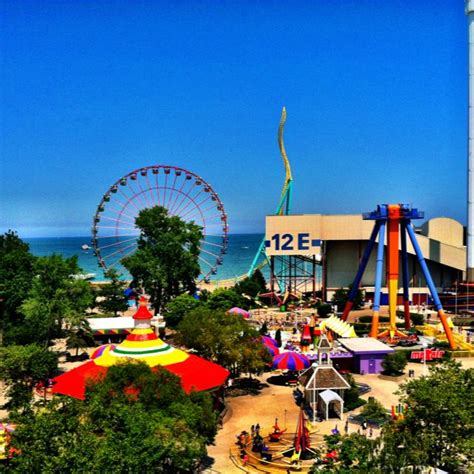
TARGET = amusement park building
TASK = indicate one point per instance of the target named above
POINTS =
(338, 243)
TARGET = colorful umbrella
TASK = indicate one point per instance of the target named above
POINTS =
(291, 361)
(274, 351)
(101, 349)
(269, 341)
(240, 311)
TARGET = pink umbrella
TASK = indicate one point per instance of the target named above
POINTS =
(291, 361)
(240, 311)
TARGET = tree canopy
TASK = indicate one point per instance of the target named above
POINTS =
(341, 296)
(55, 296)
(437, 430)
(110, 298)
(21, 368)
(224, 338)
(438, 427)
(134, 420)
(16, 278)
(179, 307)
(166, 261)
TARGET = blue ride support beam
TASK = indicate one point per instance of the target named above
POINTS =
(360, 271)
(434, 294)
(378, 281)
(406, 295)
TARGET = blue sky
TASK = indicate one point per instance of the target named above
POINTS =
(376, 95)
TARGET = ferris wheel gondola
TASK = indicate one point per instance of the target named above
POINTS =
(181, 192)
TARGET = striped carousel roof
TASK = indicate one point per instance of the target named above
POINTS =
(143, 344)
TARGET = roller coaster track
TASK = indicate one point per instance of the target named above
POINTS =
(284, 204)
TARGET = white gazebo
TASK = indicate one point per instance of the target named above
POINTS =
(323, 378)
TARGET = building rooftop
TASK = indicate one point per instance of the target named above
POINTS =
(119, 322)
(361, 345)
(323, 377)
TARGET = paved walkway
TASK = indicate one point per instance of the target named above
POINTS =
(277, 401)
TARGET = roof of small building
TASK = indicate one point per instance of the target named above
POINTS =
(324, 343)
(323, 377)
(119, 322)
(329, 396)
(364, 345)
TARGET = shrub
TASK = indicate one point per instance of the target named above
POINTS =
(394, 363)
(368, 319)
(374, 411)
(417, 319)
(324, 310)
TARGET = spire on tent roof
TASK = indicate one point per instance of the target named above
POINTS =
(143, 312)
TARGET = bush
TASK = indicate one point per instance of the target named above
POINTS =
(341, 296)
(374, 411)
(361, 328)
(394, 363)
(351, 396)
(368, 319)
(323, 310)
(417, 319)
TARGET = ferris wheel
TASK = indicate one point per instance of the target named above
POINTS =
(181, 192)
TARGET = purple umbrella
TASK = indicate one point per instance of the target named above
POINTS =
(267, 340)
(274, 351)
(291, 361)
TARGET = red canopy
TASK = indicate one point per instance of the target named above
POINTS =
(195, 373)
(73, 382)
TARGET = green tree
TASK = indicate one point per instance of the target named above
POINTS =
(16, 278)
(110, 298)
(55, 296)
(166, 261)
(355, 454)
(438, 427)
(225, 299)
(224, 338)
(247, 287)
(259, 279)
(178, 308)
(134, 420)
(341, 296)
(324, 310)
(79, 334)
(394, 363)
(21, 368)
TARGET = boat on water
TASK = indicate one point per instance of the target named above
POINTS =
(84, 276)
(85, 247)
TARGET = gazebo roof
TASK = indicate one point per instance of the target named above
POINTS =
(324, 342)
(329, 396)
(323, 377)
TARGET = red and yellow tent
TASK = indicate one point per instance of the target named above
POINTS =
(143, 344)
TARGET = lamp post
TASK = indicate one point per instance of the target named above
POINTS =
(425, 345)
